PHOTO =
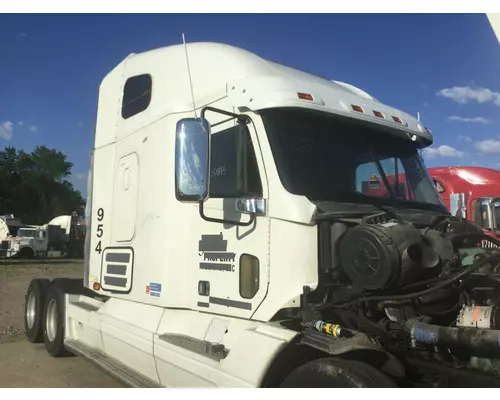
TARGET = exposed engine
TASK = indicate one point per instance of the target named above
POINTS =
(431, 291)
(387, 256)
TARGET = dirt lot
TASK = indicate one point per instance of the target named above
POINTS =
(23, 364)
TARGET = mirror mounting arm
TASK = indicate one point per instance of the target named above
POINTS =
(242, 118)
(224, 221)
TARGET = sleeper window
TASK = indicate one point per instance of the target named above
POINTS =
(136, 95)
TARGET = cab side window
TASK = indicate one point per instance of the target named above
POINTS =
(233, 169)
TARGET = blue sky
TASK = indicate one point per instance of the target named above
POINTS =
(447, 67)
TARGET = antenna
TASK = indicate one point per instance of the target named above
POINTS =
(189, 74)
(418, 116)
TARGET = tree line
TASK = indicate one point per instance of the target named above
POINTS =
(35, 187)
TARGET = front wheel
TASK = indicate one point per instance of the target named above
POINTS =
(337, 373)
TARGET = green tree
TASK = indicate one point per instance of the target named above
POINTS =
(34, 186)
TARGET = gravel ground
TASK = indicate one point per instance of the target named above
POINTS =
(27, 365)
(23, 364)
(14, 280)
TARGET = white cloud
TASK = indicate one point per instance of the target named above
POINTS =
(442, 151)
(466, 138)
(32, 128)
(475, 120)
(6, 130)
(80, 124)
(466, 94)
(490, 146)
(20, 123)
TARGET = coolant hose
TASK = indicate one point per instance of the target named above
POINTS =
(476, 342)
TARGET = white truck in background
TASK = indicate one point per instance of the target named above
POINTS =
(12, 223)
(229, 243)
(63, 236)
(4, 230)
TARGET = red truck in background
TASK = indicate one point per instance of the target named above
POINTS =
(470, 192)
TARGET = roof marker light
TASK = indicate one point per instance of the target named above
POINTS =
(378, 114)
(357, 108)
(428, 131)
(398, 120)
(305, 96)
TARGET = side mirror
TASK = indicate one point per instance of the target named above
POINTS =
(251, 206)
(192, 159)
(458, 205)
(495, 213)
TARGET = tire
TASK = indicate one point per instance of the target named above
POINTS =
(26, 253)
(337, 373)
(34, 309)
(54, 322)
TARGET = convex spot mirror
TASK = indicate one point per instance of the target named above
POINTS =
(251, 206)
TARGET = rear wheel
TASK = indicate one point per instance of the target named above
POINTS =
(54, 322)
(33, 309)
(337, 373)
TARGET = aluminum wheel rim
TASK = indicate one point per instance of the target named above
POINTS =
(51, 320)
(31, 310)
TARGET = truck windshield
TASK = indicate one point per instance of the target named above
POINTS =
(331, 159)
(26, 233)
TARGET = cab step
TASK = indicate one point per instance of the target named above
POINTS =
(113, 367)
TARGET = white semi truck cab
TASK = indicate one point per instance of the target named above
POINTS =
(229, 243)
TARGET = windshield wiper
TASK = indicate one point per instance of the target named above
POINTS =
(385, 209)
(382, 175)
(396, 175)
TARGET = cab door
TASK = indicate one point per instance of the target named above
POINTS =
(226, 260)
(40, 242)
(233, 264)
